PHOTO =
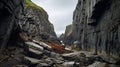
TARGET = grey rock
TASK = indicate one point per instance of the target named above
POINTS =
(58, 61)
(34, 45)
(8, 12)
(35, 51)
(30, 60)
(96, 28)
(77, 57)
(46, 63)
(97, 64)
(43, 65)
(36, 24)
(112, 65)
(20, 66)
(109, 59)
(54, 55)
(44, 45)
(68, 64)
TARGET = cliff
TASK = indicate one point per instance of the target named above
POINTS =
(66, 37)
(26, 35)
(22, 21)
(96, 25)
(36, 24)
(9, 13)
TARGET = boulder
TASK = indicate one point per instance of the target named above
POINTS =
(44, 45)
(46, 63)
(74, 56)
(35, 51)
(109, 59)
(68, 64)
(97, 64)
(54, 55)
(30, 60)
(58, 60)
(113, 65)
(43, 65)
(34, 45)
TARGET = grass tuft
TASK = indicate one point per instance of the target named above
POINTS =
(29, 3)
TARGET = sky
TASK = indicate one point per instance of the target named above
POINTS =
(60, 12)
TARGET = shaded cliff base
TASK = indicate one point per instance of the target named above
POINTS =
(51, 55)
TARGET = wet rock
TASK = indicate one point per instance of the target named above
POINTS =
(97, 64)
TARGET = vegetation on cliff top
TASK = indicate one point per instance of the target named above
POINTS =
(29, 3)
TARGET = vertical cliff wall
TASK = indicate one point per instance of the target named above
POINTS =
(9, 12)
(96, 24)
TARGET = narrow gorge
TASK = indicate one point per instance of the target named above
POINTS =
(28, 39)
(96, 25)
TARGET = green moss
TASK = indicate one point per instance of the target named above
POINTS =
(29, 3)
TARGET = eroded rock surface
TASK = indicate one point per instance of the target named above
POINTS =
(27, 38)
(96, 26)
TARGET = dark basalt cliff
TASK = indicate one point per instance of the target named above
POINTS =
(96, 25)
(26, 21)
(24, 32)
(10, 11)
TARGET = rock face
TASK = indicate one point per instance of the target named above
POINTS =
(65, 37)
(96, 24)
(35, 24)
(30, 37)
(24, 21)
(24, 29)
(9, 12)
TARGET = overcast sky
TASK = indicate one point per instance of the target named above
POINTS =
(60, 12)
